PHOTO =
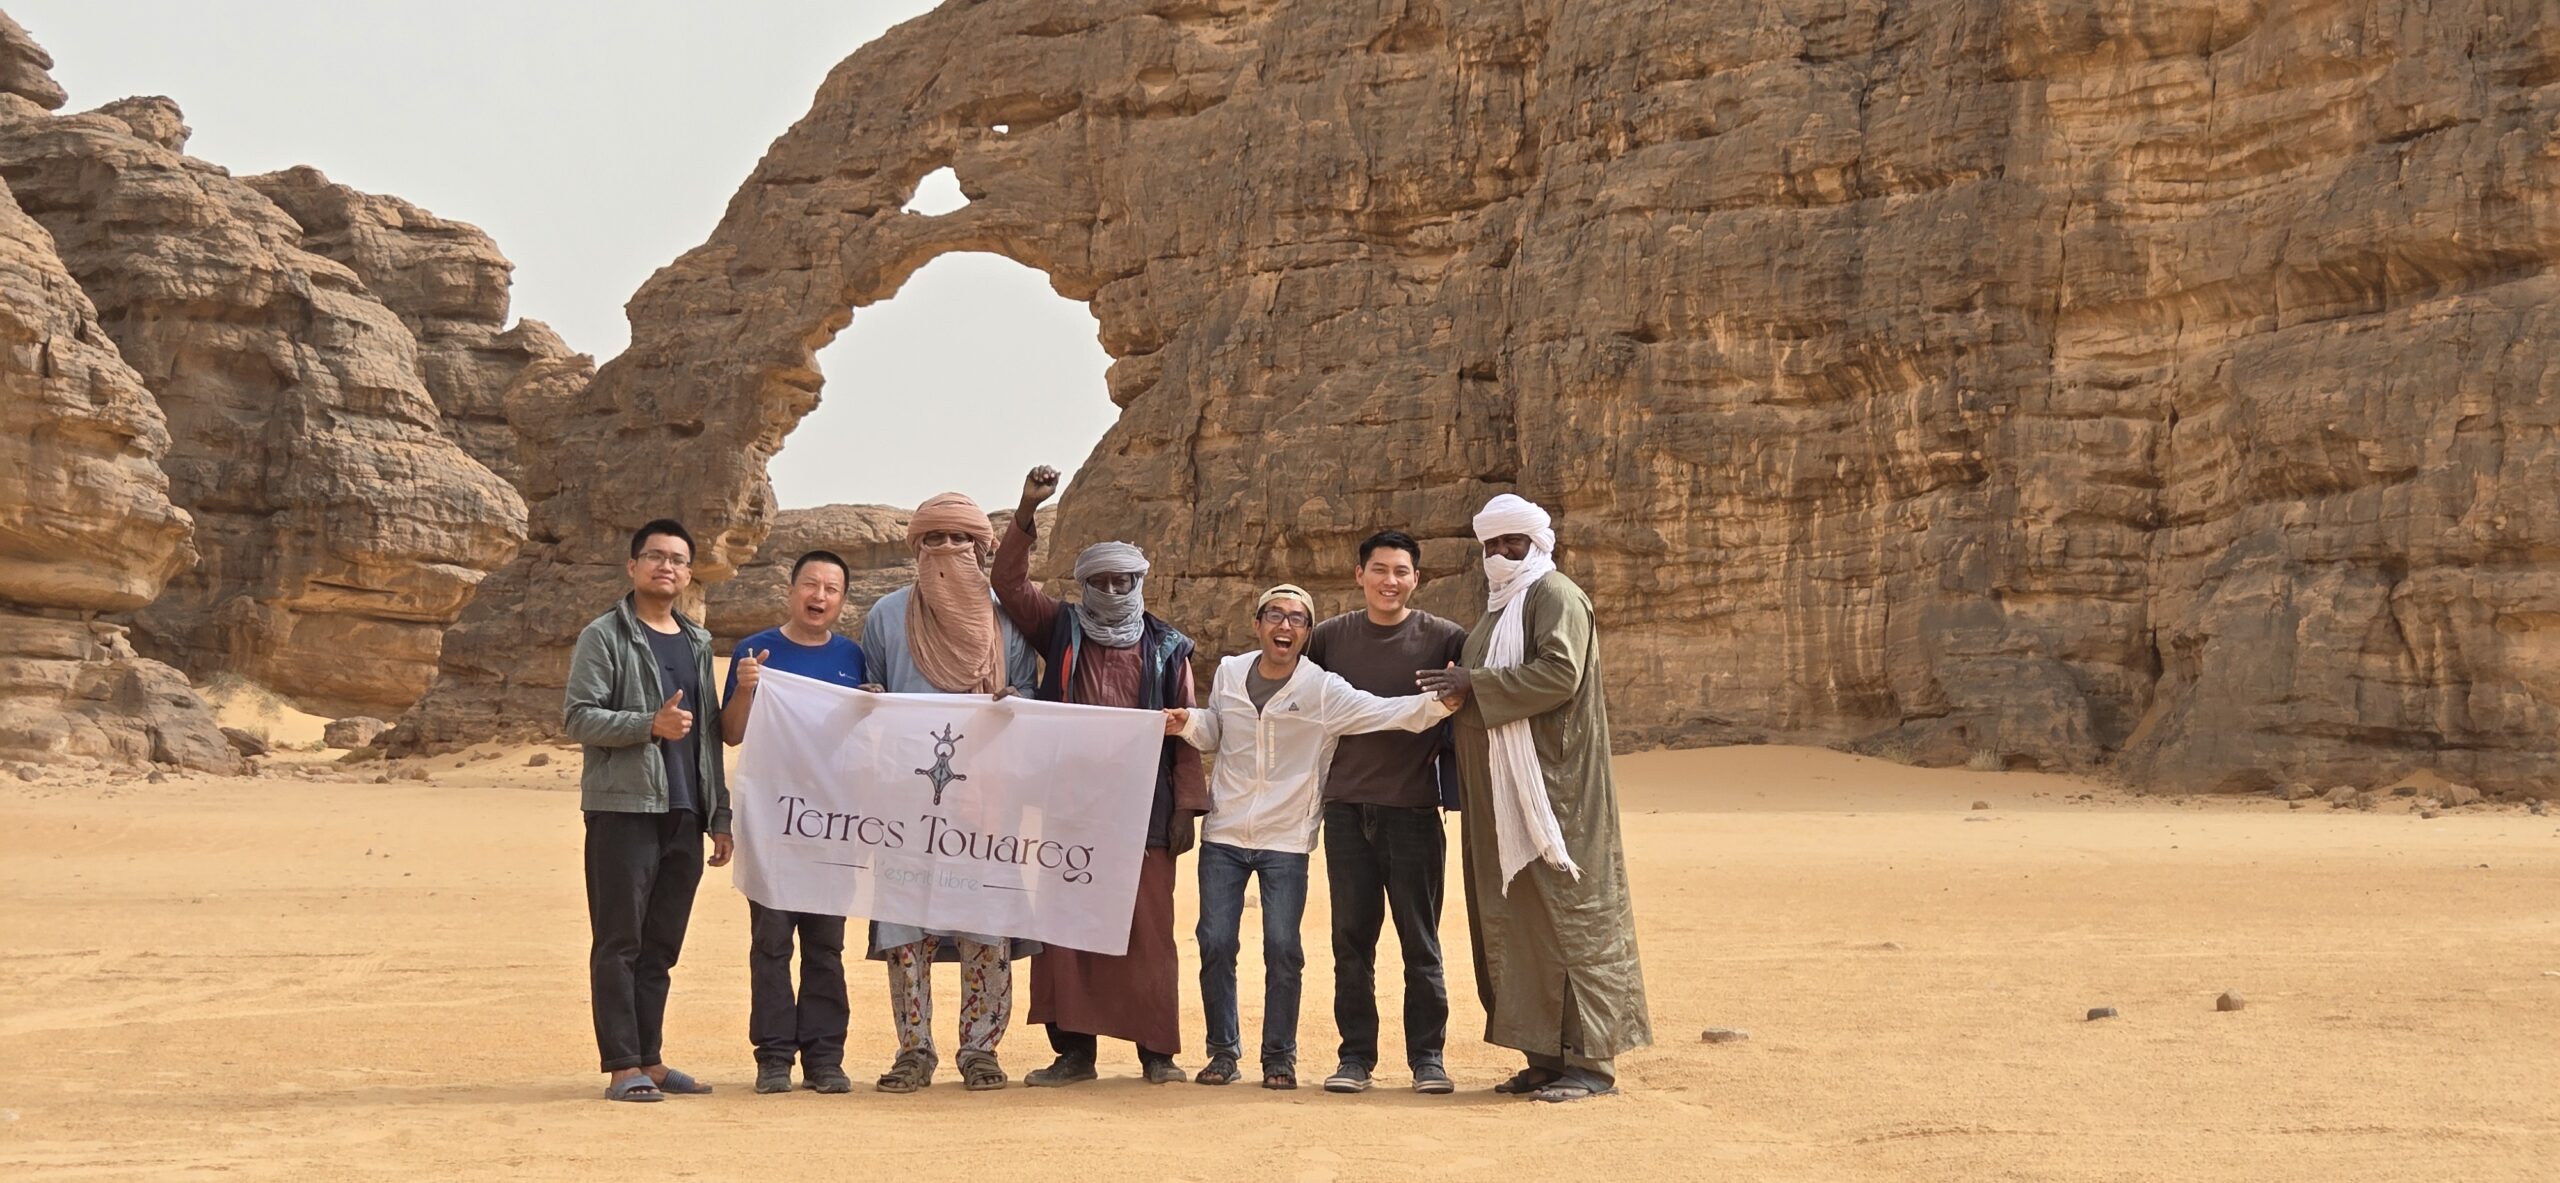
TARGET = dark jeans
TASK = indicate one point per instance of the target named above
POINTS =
(641, 872)
(810, 1026)
(1223, 871)
(1382, 861)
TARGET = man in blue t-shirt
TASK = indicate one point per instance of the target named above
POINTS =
(809, 1026)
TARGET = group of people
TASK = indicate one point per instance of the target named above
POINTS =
(1359, 731)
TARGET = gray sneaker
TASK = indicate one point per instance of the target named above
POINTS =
(773, 1078)
(1433, 1080)
(1351, 1077)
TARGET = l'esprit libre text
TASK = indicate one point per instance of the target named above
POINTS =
(1072, 862)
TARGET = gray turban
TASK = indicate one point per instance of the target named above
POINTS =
(1113, 620)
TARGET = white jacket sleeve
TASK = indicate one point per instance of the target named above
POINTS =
(1349, 710)
(1201, 729)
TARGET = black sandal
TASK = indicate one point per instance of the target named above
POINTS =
(1280, 1079)
(1221, 1069)
(1528, 1080)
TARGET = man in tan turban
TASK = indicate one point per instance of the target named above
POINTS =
(944, 634)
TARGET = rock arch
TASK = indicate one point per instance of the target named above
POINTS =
(1985, 379)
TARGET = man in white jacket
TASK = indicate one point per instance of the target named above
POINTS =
(1272, 719)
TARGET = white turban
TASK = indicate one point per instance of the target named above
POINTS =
(1507, 578)
(1524, 820)
(1513, 514)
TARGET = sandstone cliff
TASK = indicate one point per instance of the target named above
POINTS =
(2165, 387)
(86, 528)
(340, 528)
(448, 284)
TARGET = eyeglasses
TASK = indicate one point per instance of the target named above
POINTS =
(1284, 616)
(660, 558)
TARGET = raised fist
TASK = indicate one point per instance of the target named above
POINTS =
(1039, 486)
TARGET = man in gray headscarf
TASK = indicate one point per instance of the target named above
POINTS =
(1107, 650)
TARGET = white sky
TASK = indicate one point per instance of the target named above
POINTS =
(596, 140)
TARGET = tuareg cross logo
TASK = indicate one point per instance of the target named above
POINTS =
(945, 745)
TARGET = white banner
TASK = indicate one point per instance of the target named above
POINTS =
(946, 811)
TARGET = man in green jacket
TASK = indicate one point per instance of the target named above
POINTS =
(651, 788)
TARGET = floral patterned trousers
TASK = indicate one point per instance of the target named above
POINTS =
(986, 994)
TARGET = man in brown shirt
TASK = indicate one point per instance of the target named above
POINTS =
(1385, 852)
(1107, 650)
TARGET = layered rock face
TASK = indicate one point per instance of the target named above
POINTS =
(86, 528)
(2078, 383)
(870, 538)
(448, 284)
(341, 529)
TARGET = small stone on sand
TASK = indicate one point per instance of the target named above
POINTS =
(1724, 1035)
(1982, 805)
(537, 760)
(2101, 1012)
(2230, 1001)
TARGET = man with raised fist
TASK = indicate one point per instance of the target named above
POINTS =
(651, 789)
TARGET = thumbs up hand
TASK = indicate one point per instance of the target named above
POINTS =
(672, 721)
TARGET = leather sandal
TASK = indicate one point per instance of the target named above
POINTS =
(980, 1071)
(913, 1070)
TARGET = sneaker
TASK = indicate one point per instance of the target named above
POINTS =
(1162, 1070)
(1433, 1080)
(1351, 1077)
(1066, 1070)
(773, 1078)
(828, 1080)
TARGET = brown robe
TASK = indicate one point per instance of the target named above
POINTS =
(1135, 996)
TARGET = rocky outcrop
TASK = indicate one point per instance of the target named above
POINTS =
(2166, 388)
(340, 528)
(86, 528)
(872, 538)
(26, 69)
(448, 283)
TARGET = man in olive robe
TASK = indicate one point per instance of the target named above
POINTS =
(1548, 903)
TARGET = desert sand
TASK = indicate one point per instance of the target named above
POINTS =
(311, 975)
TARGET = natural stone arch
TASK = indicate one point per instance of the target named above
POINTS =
(1894, 376)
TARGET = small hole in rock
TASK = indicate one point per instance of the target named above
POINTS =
(937, 194)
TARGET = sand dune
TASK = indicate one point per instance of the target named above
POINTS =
(336, 979)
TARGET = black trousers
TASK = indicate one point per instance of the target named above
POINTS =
(809, 1024)
(1384, 861)
(1089, 1047)
(642, 869)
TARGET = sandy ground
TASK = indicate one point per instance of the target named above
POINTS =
(337, 979)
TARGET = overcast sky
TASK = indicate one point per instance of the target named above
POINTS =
(596, 140)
